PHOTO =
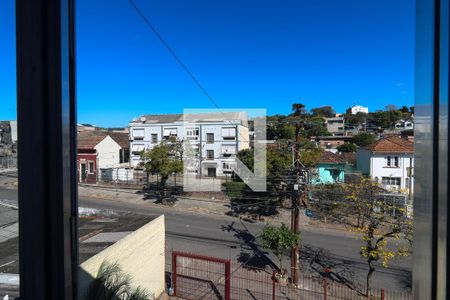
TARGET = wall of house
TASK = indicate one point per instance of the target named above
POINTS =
(85, 158)
(108, 153)
(325, 173)
(363, 161)
(141, 254)
(379, 168)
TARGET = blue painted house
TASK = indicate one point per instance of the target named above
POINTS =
(331, 168)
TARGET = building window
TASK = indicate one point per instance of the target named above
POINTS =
(170, 132)
(192, 133)
(136, 149)
(228, 150)
(229, 133)
(209, 154)
(138, 134)
(91, 167)
(392, 161)
(391, 181)
(154, 138)
(210, 138)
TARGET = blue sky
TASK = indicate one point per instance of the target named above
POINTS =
(247, 54)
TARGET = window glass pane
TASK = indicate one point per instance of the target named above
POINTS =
(336, 89)
(9, 226)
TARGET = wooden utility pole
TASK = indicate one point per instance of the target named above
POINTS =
(296, 198)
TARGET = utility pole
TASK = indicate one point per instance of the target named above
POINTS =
(296, 198)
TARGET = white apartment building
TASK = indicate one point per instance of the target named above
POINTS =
(216, 137)
(358, 108)
(388, 161)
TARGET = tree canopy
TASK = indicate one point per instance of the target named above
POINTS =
(364, 139)
(164, 159)
(347, 147)
(323, 111)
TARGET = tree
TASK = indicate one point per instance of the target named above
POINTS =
(310, 153)
(404, 109)
(383, 235)
(315, 126)
(278, 161)
(298, 110)
(324, 111)
(347, 147)
(279, 240)
(363, 139)
(164, 159)
(355, 120)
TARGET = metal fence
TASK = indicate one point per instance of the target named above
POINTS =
(8, 161)
(193, 276)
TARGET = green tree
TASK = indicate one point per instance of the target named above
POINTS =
(404, 109)
(347, 147)
(315, 126)
(278, 161)
(324, 111)
(363, 139)
(356, 120)
(298, 110)
(164, 159)
(310, 153)
(279, 240)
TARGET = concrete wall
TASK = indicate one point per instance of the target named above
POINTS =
(140, 254)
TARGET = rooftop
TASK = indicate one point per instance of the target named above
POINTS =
(391, 144)
(90, 139)
(328, 157)
(196, 117)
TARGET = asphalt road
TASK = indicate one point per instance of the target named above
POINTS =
(228, 237)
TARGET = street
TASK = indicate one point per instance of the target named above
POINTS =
(228, 237)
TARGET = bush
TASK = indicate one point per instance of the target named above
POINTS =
(348, 147)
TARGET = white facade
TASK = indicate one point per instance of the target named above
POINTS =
(390, 170)
(404, 124)
(108, 153)
(218, 141)
(358, 108)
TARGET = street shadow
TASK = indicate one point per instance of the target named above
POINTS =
(250, 255)
(318, 261)
(252, 209)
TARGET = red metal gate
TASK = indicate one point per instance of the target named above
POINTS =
(200, 277)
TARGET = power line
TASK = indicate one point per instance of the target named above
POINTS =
(180, 62)
(177, 58)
